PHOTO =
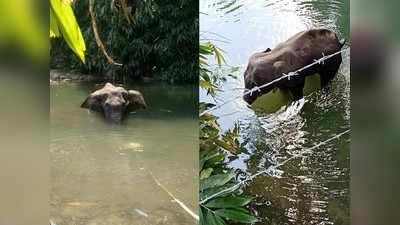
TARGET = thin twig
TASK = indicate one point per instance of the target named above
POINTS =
(214, 40)
(215, 34)
(97, 36)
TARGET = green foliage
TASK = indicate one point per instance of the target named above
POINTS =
(63, 23)
(207, 81)
(152, 39)
(220, 200)
(21, 31)
(210, 134)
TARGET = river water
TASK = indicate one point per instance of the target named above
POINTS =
(100, 173)
(313, 188)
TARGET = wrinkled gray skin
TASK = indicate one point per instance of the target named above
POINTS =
(298, 51)
(114, 102)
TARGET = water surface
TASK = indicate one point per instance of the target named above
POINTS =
(100, 172)
(313, 188)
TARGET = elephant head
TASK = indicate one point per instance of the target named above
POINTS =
(114, 102)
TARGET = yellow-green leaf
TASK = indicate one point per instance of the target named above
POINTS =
(68, 26)
(54, 32)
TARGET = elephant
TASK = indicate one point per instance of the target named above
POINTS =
(114, 102)
(298, 51)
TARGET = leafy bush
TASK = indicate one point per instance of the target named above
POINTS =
(220, 197)
(152, 39)
(209, 82)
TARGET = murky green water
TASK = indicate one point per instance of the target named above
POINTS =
(314, 188)
(100, 173)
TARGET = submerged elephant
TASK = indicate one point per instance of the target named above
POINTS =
(298, 51)
(114, 102)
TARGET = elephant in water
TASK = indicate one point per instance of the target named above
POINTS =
(114, 102)
(298, 51)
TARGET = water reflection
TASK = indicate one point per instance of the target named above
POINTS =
(313, 188)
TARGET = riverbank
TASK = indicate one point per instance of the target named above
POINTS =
(59, 76)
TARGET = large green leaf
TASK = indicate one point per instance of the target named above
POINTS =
(229, 202)
(224, 190)
(216, 180)
(213, 219)
(211, 158)
(62, 17)
(217, 160)
(54, 32)
(202, 216)
(206, 173)
(236, 215)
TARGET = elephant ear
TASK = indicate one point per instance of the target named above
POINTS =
(92, 102)
(85, 104)
(135, 100)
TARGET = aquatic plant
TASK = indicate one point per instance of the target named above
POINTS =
(220, 197)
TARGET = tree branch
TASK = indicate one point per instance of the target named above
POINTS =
(97, 37)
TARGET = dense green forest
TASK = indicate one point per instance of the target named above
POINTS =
(153, 39)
